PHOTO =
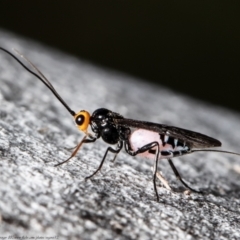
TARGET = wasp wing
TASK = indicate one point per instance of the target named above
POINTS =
(193, 139)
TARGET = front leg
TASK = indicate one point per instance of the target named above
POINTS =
(84, 140)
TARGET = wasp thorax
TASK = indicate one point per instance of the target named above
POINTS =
(82, 120)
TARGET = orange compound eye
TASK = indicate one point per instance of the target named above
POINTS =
(82, 119)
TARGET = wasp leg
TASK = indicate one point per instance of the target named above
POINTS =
(180, 178)
(109, 149)
(163, 180)
(115, 156)
(84, 140)
(144, 149)
(71, 148)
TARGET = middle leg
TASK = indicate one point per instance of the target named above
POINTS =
(109, 149)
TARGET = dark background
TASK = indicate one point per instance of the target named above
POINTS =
(189, 46)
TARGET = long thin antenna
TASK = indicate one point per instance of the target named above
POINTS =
(40, 76)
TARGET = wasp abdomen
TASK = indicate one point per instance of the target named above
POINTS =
(169, 146)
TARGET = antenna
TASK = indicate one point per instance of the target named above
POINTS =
(40, 76)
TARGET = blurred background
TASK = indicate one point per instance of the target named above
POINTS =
(189, 46)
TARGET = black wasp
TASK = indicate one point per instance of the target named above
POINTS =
(152, 140)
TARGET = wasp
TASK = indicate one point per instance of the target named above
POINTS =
(153, 140)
